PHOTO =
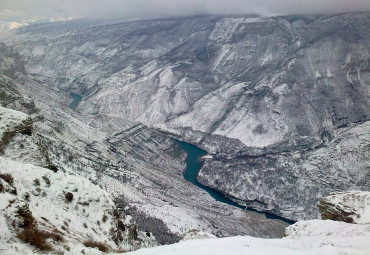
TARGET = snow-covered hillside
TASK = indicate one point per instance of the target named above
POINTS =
(11, 120)
(69, 210)
(273, 93)
(47, 209)
(280, 103)
(342, 163)
(140, 168)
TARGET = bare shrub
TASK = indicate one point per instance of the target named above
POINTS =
(8, 178)
(46, 180)
(30, 232)
(69, 196)
(38, 238)
(27, 196)
(26, 214)
(52, 168)
(36, 182)
(93, 244)
(35, 237)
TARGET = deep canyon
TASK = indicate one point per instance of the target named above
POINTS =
(280, 103)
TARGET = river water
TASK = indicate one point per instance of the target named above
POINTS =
(194, 163)
(76, 100)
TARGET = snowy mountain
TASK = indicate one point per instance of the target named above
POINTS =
(280, 103)
(136, 167)
(62, 208)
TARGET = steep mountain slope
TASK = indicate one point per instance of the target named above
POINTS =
(342, 164)
(49, 210)
(71, 213)
(139, 167)
(273, 99)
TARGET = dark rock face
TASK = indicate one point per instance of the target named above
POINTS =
(281, 103)
(329, 211)
(350, 207)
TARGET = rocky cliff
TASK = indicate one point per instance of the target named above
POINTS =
(351, 207)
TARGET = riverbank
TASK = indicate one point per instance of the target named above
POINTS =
(194, 163)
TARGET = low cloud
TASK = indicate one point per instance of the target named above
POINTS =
(11, 9)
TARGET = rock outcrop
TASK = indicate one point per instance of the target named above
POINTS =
(350, 207)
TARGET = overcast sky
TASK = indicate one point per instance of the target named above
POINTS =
(15, 9)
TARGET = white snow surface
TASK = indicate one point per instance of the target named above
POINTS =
(306, 237)
(10, 119)
(196, 234)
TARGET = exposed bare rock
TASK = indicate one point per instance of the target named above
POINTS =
(350, 207)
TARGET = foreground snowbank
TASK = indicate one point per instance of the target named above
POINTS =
(304, 237)
(307, 237)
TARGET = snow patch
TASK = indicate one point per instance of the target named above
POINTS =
(9, 119)
(328, 73)
(266, 58)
